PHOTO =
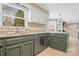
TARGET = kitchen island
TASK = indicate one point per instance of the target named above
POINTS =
(32, 43)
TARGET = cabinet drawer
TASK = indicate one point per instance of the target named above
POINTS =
(61, 35)
(14, 50)
(52, 34)
(46, 34)
(1, 44)
(58, 35)
(27, 48)
(18, 40)
(57, 38)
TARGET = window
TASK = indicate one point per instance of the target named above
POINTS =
(13, 15)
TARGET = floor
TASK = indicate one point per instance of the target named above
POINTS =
(54, 52)
(72, 51)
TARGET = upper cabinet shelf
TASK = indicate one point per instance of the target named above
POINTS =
(36, 22)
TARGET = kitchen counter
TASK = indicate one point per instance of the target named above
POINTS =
(29, 33)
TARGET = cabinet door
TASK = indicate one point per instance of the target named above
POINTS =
(1, 52)
(14, 50)
(51, 42)
(28, 48)
(36, 44)
(42, 43)
(46, 41)
(62, 44)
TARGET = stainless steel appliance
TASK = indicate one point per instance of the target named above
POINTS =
(39, 44)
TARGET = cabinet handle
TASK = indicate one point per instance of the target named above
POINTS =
(61, 39)
(60, 36)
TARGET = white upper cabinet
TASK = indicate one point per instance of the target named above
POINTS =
(34, 14)
(39, 16)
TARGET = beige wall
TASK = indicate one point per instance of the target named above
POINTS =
(73, 36)
(35, 27)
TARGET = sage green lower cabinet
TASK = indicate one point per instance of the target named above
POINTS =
(14, 50)
(21, 49)
(58, 42)
(29, 45)
(27, 49)
(62, 44)
(19, 46)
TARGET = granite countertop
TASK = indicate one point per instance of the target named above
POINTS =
(29, 33)
(59, 32)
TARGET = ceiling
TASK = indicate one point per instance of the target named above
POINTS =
(69, 11)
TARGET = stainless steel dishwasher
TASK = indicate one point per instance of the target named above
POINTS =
(39, 44)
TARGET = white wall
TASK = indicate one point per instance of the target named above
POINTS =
(70, 11)
(73, 38)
